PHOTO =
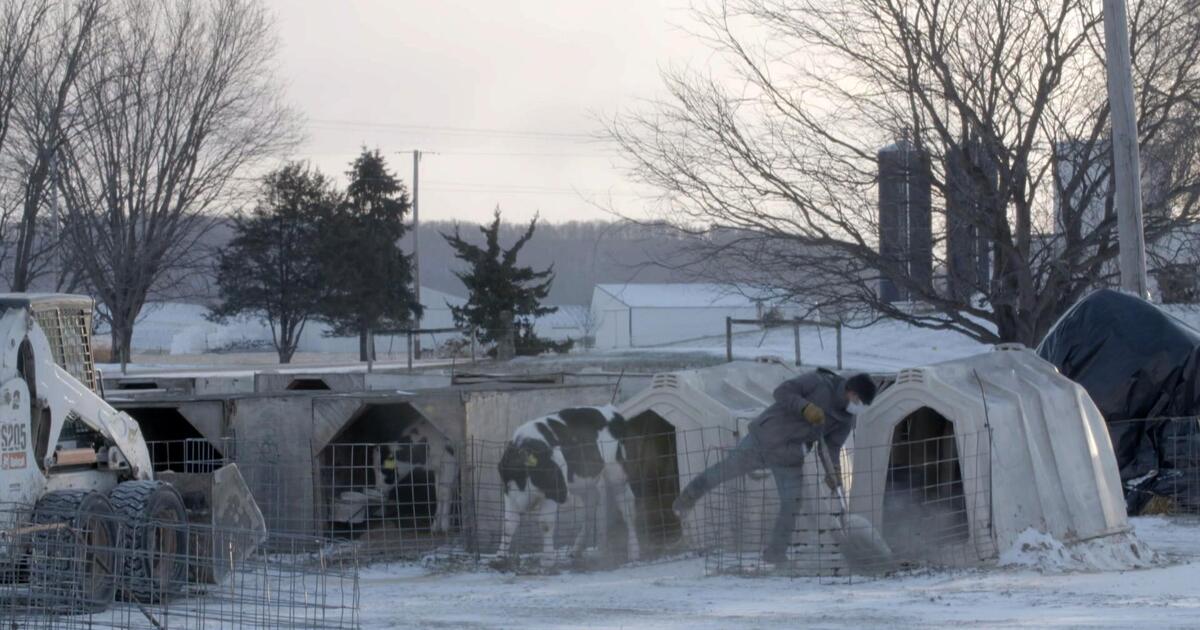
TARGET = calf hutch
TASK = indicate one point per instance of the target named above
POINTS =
(690, 418)
(956, 460)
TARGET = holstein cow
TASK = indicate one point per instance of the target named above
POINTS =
(572, 453)
(419, 448)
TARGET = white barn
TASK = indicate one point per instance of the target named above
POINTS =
(638, 315)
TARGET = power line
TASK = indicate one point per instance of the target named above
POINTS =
(530, 154)
(478, 131)
(453, 153)
(462, 184)
(517, 191)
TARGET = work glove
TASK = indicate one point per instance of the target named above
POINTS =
(813, 414)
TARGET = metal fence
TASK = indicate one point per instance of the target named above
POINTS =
(929, 498)
(401, 501)
(739, 332)
(927, 505)
(1159, 460)
(73, 568)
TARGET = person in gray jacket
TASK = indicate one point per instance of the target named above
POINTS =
(816, 405)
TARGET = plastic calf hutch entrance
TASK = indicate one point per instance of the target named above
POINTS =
(653, 469)
(924, 508)
(387, 479)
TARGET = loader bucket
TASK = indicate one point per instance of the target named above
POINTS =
(226, 525)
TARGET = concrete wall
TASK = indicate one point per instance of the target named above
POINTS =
(209, 418)
(274, 446)
(405, 382)
(278, 439)
(177, 384)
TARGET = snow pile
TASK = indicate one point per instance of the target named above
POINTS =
(1038, 550)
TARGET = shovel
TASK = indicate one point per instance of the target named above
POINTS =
(861, 545)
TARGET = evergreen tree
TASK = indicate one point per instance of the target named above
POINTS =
(368, 277)
(497, 286)
(271, 269)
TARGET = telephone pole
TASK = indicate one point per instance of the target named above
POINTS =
(1127, 170)
(416, 232)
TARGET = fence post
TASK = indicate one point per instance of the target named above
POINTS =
(839, 344)
(472, 345)
(370, 350)
(408, 349)
(796, 339)
(729, 340)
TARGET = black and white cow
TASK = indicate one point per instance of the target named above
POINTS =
(573, 453)
(418, 448)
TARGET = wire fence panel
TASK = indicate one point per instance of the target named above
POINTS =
(1160, 464)
(595, 505)
(84, 567)
(394, 501)
(934, 510)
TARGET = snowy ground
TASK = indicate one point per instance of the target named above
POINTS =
(172, 337)
(677, 595)
(883, 346)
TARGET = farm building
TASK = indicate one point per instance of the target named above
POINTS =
(639, 315)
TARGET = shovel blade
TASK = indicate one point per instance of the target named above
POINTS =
(863, 547)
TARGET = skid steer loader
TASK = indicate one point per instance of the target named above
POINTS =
(82, 516)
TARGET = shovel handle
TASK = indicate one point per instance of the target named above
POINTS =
(831, 477)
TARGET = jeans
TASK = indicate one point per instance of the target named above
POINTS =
(745, 458)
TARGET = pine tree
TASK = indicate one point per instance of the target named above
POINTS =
(497, 287)
(271, 269)
(368, 277)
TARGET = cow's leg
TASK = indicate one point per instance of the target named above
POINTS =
(547, 516)
(588, 497)
(512, 520)
(377, 469)
(628, 512)
(447, 474)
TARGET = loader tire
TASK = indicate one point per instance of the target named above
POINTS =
(72, 568)
(154, 539)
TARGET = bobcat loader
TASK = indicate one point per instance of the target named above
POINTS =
(82, 514)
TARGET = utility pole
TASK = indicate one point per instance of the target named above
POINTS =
(415, 340)
(1127, 170)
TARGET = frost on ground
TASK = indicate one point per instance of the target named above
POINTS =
(1037, 550)
(677, 595)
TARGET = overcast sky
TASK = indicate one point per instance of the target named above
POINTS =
(502, 95)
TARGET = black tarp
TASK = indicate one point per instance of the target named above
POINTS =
(1137, 362)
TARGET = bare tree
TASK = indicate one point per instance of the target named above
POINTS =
(1001, 107)
(21, 23)
(46, 96)
(178, 102)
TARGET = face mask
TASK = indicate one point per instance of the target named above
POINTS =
(856, 408)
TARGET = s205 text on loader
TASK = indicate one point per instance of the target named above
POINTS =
(83, 515)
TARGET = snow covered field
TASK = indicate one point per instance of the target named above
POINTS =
(174, 335)
(677, 595)
(883, 346)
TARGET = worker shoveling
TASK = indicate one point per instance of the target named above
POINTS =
(816, 408)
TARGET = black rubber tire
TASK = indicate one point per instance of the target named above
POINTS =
(73, 569)
(153, 540)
